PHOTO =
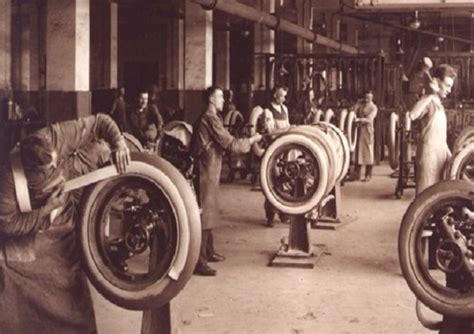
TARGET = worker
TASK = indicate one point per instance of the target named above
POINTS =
(42, 286)
(210, 139)
(432, 151)
(281, 121)
(366, 111)
(308, 106)
(145, 120)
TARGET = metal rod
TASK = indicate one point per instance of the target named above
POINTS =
(399, 26)
(273, 21)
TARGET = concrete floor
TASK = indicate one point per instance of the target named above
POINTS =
(356, 288)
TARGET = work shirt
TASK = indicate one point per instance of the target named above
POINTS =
(432, 151)
(141, 119)
(210, 139)
(42, 286)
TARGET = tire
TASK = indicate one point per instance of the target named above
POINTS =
(227, 118)
(351, 130)
(182, 251)
(459, 162)
(328, 116)
(465, 137)
(393, 141)
(281, 146)
(318, 116)
(344, 147)
(342, 120)
(325, 138)
(133, 143)
(257, 117)
(236, 118)
(435, 295)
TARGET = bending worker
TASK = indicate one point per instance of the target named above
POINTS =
(42, 286)
(432, 151)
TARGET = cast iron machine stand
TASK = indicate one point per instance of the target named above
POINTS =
(297, 251)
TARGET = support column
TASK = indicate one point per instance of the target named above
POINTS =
(222, 54)
(5, 46)
(175, 59)
(25, 47)
(113, 45)
(305, 19)
(264, 39)
(198, 58)
(67, 59)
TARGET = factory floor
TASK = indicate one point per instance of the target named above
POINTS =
(356, 287)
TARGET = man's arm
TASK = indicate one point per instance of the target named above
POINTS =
(421, 107)
(226, 140)
(69, 136)
(14, 223)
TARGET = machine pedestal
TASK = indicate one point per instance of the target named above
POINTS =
(330, 217)
(296, 250)
(158, 321)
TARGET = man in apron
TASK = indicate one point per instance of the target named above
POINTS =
(210, 139)
(432, 150)
(281, 121)
(366, 113)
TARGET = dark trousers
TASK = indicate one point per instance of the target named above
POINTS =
(269, 211)
(207, 246)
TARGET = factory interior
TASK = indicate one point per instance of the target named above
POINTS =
(236, 166)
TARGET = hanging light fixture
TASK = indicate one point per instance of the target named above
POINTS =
(399, 44)
(416, 23)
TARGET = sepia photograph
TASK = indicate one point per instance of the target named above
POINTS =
(236, 166)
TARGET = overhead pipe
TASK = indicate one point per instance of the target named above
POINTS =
(399, 26)
(274, 22)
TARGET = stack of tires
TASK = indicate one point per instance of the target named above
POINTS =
(301, 166)
(461, 164)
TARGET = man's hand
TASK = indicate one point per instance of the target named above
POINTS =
(56, 200)
(255, 138)
(122, 156)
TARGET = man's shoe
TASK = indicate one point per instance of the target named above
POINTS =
(269, 223)
(216, 258)
(204, 270)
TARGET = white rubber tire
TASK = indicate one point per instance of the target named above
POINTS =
(329, 115)
(184, 204)
(228, 117)
(133, 143)
(465, 137)
(236, 118)
(342, 120)
(317, 116)
(344, 149)
(452, 304)
(352, 130)
(256, 113)
(319, 154)
(458, 160)
(393, 141)
(322, 136)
